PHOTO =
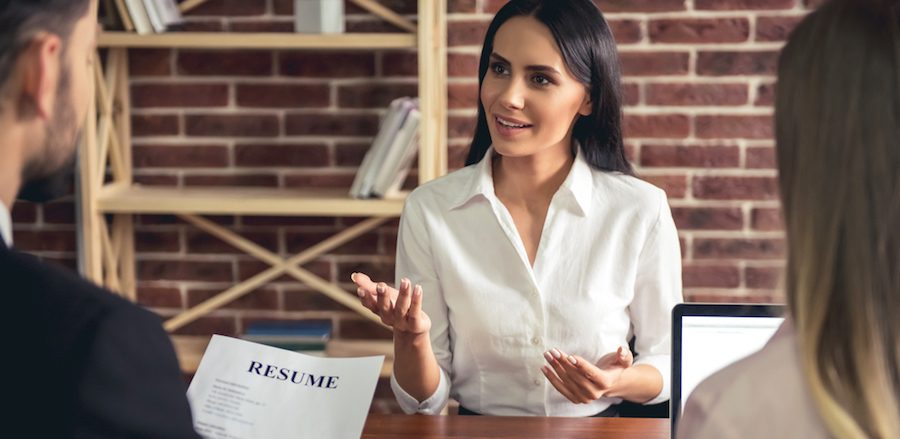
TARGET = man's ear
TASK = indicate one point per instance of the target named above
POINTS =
(40, 65)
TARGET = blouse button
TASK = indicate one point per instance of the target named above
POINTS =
(536, 341)
(537, 381)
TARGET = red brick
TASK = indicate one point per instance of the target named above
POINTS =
(261, 26)
(360, 328)
(761, 157)
(149, 62)
(640, 5)
(371, 26)
(407, 64)
(674, 185)
(374, 95)
(350, 154)
(656, 126)
(492, 6)
(767, 219)
(327, 64)
(696, 94)
(775, 28)
(45, 240)
(380, 271)
(283, 95)
(308, 300)
(24, 212)
(736, 188)
(708, 218)
(202, 25)
(210, 325)
(156, 180)
(462, 96)
(690, 156)
(154, 125)
(232, 125)
(460, 65)
(626, 31)
(157, 242)
(738, 248)
(174, 156)
(225, 63)
(331, 124)
(239, 180)
(765, 95)
(59, 212)
(249, 269)
(367, 244)
(699, 30)
(456, 156)
(461, 126)
(711, 276)
(732, 298)
(631, 94)
(653, 63)
(199, 242)
(229, 8)
(737, 5)
(168, 269)
(159, 297)
(266, 299)
(287, 221)
(763, 277)
(813, 4)
(403, 7)
(466, 33)
(282, 155)
(461, 6)
(179, 95)
(730, 127)
(724, 63)
(319, 181)
(283, 7)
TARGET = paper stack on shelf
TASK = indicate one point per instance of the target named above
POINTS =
(388, 160)
(308, 337)
(149, 16)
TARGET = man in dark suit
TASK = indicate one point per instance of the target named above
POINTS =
(77, 361)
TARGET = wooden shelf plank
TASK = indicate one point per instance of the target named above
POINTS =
(242, 40)
(190, 348)
(242, 201)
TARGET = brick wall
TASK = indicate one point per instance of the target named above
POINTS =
(698, 81)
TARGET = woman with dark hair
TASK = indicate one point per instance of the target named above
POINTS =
(833, 368)
(523, 276)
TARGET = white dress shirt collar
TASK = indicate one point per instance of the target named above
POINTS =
(5, 225)
(578, 184)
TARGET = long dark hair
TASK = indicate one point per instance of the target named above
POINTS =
(837, 130)
(589, 52)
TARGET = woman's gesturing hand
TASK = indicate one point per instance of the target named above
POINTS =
(401, 310)
(579, 380)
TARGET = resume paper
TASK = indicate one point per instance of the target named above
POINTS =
(245, 390)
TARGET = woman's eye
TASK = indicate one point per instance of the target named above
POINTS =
(498, 68)
(541, 80)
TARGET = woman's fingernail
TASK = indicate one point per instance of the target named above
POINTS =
(572, 360)
(380, 289)
(548, 356)
(353, 276)
(556, 353)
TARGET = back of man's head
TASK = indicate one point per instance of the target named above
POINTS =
(21, 20)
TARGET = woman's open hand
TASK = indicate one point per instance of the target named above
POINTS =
(579, 380)
(399, 309)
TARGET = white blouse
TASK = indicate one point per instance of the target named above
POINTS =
(5, 225)
(608, 266)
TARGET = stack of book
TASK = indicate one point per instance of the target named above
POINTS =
(305, 336)
(386, 164)
(146, 16)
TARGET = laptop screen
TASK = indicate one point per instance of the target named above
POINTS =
(709, 337)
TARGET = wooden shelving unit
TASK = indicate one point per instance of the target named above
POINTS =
(106, 209)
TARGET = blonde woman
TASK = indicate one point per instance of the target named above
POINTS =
(833, 368)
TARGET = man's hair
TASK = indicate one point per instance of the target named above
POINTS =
(21, 20)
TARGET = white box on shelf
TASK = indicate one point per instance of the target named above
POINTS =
(319, 16)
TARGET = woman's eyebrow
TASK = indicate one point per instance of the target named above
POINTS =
(532, 68)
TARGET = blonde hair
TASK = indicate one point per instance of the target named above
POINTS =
(837, 118)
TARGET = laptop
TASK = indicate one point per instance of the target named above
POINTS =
(708, 337)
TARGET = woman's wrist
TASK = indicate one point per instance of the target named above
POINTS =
(639, 383)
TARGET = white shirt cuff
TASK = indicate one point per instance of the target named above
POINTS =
(662, 363)
(430, 406)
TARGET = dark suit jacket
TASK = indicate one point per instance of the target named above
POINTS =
(80, 362)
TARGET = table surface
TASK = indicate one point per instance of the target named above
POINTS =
(476, 427)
